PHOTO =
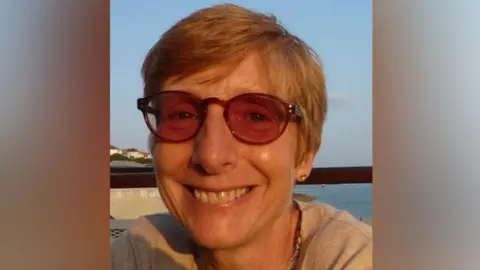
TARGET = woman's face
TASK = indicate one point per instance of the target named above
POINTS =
(259, 178)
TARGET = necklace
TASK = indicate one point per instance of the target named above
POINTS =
(292, 264)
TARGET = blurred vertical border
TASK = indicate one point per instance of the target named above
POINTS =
(426, 135)
(54, 122)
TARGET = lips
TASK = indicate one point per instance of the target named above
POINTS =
(219, 197)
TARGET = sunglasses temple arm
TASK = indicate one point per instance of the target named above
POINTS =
(142, 106)
(296, 113)
(151, 110)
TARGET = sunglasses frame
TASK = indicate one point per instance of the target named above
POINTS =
(293, 111)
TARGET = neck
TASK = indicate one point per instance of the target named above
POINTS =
(267, 250)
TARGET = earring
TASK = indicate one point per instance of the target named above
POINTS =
(303, 177)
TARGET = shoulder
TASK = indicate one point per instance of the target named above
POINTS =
(334, 239)
(150, 242)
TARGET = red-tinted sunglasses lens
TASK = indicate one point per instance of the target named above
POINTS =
(256, 118)
(176, 116)
(252, 118)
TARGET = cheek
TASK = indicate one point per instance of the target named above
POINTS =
(274, 155)
(171, 162)
(171, 159)
(277, 161)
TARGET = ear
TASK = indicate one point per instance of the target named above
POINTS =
(304, 169)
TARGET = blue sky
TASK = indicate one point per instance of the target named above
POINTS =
(339, 31)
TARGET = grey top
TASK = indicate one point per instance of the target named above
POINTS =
(331, 239)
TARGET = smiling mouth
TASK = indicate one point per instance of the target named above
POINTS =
(221, 197)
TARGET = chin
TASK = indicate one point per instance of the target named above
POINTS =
(214, 238)
(214, 231)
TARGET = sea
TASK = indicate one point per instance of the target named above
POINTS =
(354, 198)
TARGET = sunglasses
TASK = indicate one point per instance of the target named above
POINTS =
(253, 118)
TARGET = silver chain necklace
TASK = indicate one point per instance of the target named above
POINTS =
(292, 264)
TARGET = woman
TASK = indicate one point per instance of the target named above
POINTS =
(236, 105)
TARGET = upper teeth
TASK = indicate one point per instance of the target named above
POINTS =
(222, 197)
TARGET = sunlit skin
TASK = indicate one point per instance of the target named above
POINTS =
(214, 159)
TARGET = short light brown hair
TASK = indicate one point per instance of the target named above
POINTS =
(224, 35)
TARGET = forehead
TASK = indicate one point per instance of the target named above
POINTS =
(225, 82)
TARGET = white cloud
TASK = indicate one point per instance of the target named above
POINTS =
(339, 97)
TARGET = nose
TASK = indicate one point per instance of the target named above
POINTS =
(214, 151)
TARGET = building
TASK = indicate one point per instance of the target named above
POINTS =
(131, 153)
(114, 150)
(134, 153)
